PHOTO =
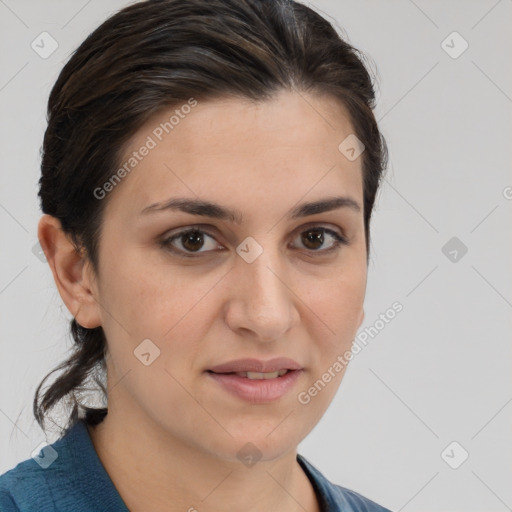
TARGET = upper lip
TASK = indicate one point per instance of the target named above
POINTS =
(256, 365)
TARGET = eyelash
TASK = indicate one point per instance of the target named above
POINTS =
(339, 240)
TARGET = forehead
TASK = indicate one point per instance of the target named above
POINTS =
(233, 148)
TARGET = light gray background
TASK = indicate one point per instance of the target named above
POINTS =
(440, 371)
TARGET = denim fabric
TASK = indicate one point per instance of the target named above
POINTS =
(334, 498)
(77, 481)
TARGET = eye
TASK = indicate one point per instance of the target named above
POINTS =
(191, 241)
(314, 237)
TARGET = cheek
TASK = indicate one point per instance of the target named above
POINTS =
(152, 300)
(162, 305)
(334, 312)
(168, 305)
(335, 305)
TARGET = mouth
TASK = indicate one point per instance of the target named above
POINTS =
(256, 387)
(256, 375)
(256, 368)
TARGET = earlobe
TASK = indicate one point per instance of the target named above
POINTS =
(71, 272)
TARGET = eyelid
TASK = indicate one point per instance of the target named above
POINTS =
(334, 231)
(325, 225)
(210, 229)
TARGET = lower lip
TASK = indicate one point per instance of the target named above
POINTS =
(257, 391)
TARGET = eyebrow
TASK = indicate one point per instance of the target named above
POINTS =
(215, 211)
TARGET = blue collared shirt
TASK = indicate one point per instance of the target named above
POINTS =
(71, 477)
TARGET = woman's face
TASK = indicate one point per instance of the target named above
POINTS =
(266, 285)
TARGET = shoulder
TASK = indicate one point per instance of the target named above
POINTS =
(65, 475)
(31, 484)
(335, 497)
(357, 502)
(7, 503)
(20, 486)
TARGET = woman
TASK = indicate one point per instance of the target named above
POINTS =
(208, 176)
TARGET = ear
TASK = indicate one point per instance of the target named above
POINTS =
(72, 272)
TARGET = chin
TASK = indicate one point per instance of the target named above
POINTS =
(257, 444)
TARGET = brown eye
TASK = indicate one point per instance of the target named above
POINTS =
(194, 242)
(189, 242)
(314, 238)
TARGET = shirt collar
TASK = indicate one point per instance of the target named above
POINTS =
(89, 473)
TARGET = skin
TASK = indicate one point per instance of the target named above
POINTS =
(170, 439)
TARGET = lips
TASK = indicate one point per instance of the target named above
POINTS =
(256, 390)
(256, 381)
(240, 366)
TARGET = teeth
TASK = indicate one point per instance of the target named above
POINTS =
(260, 375)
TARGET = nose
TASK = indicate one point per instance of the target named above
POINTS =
(261, 303)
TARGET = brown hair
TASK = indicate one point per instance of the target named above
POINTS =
(158, 53)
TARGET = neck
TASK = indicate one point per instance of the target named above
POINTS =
(154, 471)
